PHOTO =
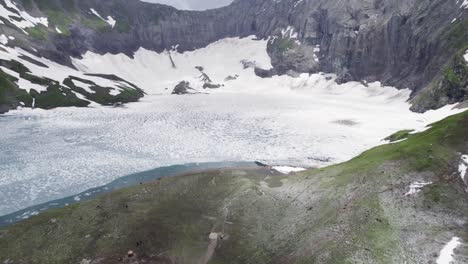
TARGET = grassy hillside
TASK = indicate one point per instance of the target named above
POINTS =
(10, 96)
(60, 93)
(354, 212)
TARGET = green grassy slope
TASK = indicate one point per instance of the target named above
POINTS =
(354, 212)
(10, 96)
(59, 93)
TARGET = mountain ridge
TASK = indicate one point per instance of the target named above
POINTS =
(406, 44)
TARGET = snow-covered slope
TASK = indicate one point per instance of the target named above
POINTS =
(160, 72)
(193, 4)
(45, 68)
(20, 18)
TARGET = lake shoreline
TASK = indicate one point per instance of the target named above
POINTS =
(125, 182)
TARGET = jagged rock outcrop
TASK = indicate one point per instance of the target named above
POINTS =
(404, 43)
(207, 82)
(449, 87)
(183, 88)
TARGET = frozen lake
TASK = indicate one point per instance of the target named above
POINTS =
(47, 155)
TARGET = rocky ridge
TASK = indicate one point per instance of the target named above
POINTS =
(406, 44)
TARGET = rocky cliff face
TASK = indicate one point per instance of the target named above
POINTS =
(408, 44)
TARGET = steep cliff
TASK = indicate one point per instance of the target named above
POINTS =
(407, 44)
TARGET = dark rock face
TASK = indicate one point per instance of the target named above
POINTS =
(231, 78)
(211, 86)
(59, 93)
(207, 82)
(265, 73)
(449, 87)
(182, 88)
(404, 43)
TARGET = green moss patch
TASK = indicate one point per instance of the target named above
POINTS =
(37, 32)
(400, 135)
(285, 44)
(94, 22)
(123, 25)
(10, 95)
(59, 20)
(457, 35)
(57, 96)
(102, 95)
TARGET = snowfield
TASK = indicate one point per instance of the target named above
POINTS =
(447, 252)
(110, 20)
(53, 70)
(416, 187)
(19, 18)
(155, 73)
(193, 4)
(301, 122)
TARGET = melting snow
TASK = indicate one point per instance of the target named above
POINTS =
(213, 236)
(297, 3)
(3, 39)
(110, 20)
(19, 18)
(27, 214)
(85, 86)
(114, 91)
(466, 54)
(58, 30)
(462, 169)
(316, 53)
(287, 169)
(290, 33)
(416, 187)
(464, 4)
(54, 71)
(23, 83)
(463, 166)
(446, 254)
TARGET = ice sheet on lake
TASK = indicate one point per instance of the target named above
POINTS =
(46, 155)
